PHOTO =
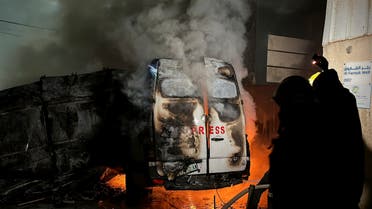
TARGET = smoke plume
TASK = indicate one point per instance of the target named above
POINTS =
(92, 34)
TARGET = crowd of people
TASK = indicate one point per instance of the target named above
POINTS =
(317, 160)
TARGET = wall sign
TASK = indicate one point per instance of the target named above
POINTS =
(357, 78)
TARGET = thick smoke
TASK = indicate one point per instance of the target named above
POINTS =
(92, 34)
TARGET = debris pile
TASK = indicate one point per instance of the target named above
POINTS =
(67, 188)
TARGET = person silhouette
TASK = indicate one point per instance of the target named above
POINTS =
(343, 141)
(293, 161)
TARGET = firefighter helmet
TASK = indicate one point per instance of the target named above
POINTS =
(320, 61)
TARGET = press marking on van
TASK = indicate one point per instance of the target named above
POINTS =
(212, 130)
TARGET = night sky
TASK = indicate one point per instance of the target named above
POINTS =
(39, 17)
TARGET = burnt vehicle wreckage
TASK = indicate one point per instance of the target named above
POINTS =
(189, 134)
(199, 126)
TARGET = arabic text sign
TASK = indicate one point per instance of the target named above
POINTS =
(357, 78)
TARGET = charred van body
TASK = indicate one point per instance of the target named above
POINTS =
(198, 138)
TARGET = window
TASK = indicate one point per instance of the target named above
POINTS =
(178, 87)
(223, 89)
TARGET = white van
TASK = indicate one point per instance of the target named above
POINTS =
(198, 138)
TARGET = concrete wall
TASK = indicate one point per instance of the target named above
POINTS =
(288, 56)
(347, 37)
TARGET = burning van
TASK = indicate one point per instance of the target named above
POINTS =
(198, 139)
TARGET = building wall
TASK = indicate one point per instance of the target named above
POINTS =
(347, 37)
(300, 19)
(288, 56)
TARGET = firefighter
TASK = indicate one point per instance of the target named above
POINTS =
(342, 142)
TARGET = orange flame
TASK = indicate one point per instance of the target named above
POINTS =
(206, 112)
(114, 179)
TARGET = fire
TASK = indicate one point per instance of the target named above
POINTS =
(117, 182)
(114, 179)
(206, 112)
(259, 157)
(161, 198)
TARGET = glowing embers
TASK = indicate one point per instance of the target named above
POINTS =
(114, 179)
